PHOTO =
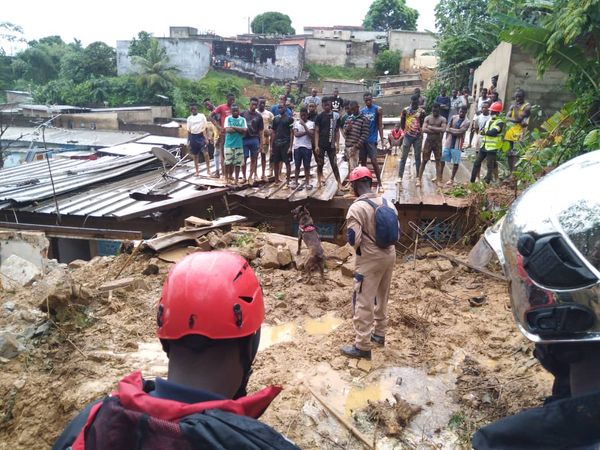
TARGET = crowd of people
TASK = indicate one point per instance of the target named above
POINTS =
(455, 124)
(287, 131)
(299, 131)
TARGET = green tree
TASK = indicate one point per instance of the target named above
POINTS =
(10, 34)
(141, 45)
(385, 15)
(100, 59)
(467, 34)
(154, 70)
(272, 23)
(388, 60)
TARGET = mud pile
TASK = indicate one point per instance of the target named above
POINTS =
(449, 364)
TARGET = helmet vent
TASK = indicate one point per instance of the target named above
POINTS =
(239, 274)
(246, 298)
(159, 315)
(192, 321)
(237, 312)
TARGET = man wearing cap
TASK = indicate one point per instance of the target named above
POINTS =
(372, 229)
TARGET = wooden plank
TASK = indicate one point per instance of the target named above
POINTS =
(168, 239)
(76, 232)
(197, 222)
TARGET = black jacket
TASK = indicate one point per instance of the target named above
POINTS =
(573, 423)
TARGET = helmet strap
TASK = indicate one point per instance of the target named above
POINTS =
(248, 349)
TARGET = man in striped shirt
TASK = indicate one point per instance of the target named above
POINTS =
(356, 131)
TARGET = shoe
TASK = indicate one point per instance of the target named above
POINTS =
(449, 183)
(418, 183)
(352, 352)
(378, 340)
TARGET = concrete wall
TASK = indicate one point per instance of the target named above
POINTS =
(548, 92)
(18, 97)
(343, 86)
(393, 105)
(497, 63)
(29, 245)
(91, 121)
(192, 57)
(515, 69)
(340, 53)
(288, 64)
(406, 42)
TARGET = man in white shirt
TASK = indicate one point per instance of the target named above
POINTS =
(312, 98)
(196, 125)
(303, 136)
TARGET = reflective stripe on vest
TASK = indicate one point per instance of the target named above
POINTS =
(492, 143)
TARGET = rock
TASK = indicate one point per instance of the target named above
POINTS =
(339, 362)
(444, 265)
(336, 252)
(9, 346)
(248, 252)
(17, 272)
(284, 256)
(151, 269)
(42, 329)
(203, 244)
(18, 384)
(77, 263)
(364, 365)
(58, 289)
(214, 240)
(269, 257)
(9, 306)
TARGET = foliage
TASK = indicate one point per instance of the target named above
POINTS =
(385, 15)
(322, 71)
(467, 34)
(97, 59)
(10, 33)
(141, 45)
(154, 71)
(564, 34)
(272, 22)
(388, 60)
(433, 90)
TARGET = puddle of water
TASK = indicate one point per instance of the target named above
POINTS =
(322, 325)
(271, 335)
(412, 385)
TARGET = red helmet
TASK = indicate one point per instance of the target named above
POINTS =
(496, 107)
(211, 294)
(360, 172)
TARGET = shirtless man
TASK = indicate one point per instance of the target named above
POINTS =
(434, 125)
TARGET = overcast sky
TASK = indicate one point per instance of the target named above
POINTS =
(112, 20)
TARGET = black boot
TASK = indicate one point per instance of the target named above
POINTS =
(352, 352)
(378, 340)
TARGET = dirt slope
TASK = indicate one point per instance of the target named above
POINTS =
(447, 366)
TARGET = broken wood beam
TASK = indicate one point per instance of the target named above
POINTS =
(59, 231)
(497, 276)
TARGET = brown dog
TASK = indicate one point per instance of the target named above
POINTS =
(308, 232)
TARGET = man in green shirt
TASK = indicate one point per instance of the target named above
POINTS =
(235, 129)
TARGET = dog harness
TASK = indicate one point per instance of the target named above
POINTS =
(308, 228)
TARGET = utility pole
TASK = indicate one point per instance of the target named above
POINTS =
(249, 31)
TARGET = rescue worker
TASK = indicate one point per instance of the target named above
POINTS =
(549, 247)
(209, 318)
(374, 263)
(517, 119)
(491, 142)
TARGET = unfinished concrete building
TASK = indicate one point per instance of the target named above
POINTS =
(516, 69)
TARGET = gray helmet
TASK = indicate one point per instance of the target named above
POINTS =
(549, 247)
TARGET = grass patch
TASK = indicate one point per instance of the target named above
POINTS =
(321, 71)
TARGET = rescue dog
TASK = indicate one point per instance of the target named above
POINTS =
(307, 232)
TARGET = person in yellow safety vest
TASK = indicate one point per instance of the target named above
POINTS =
(491, 142)
(518, 119)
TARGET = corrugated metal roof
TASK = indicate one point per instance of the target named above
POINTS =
(129, 149)
(31, 182)
(162, 140)
(64, 136)
(113, 199)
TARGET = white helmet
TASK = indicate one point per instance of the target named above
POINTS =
(549, 247)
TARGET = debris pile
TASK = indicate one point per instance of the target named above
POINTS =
(75, 330)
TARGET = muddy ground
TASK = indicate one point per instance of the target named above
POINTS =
(447, 367)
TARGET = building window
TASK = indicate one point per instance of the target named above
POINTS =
(321, 45)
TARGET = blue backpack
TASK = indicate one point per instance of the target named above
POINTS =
(387, 230)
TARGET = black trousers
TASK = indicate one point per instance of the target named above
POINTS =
(491, 157)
